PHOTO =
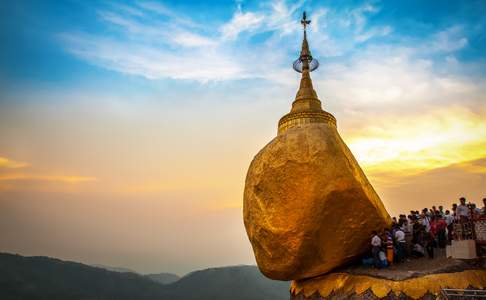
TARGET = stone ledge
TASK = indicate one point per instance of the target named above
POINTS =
(345, 286)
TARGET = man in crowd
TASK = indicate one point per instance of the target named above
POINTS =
(425, 219)
(449, 219)
(401, 244)
(375, 250)
(476, 211)
(462, 211)
(441, 211)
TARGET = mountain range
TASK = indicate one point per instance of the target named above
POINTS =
(164, 278)
(39, 277)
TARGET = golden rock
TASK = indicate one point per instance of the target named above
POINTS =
(308, 206)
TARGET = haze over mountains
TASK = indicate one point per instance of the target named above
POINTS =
(114, 269)
(164, 278)
(48, 278)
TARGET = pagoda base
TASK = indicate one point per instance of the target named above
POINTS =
(349, 286)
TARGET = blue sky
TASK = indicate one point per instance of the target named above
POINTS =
(132, 123)
(50, 41)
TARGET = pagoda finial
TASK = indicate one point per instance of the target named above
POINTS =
(304, 20)
(305, 64)
(305, 60)
(306, 107)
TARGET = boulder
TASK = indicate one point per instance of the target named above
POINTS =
(308, 206)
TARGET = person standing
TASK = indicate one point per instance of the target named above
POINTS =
(462, 210)
(441, 226)
(462, 214)
(375, 248)
(476, 211)
(425, 221)
(409, 235)
(401, 244)
(389, 246)
(449, 219)
(441, 211)
(429, 244)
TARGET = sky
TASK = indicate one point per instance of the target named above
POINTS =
(127, 127)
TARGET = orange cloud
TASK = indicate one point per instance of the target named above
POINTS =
(11, 164)
(61, 178)
(8, 176)
(413, 145)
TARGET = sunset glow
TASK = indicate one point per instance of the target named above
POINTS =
(127, 127)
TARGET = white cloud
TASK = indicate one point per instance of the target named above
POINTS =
(393, 77)
(176, 17)
(163, 33)
(153, 63)
(358, 15)
(281, 17)
(373, 32)
(241, 22)
(128, 9)
(188, 39)
(449, 40)
(316, 19)
(177, 47)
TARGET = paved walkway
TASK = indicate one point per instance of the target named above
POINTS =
(415, 267)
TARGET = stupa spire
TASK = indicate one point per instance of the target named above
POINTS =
(305, 54)
(306, 107)
(305, 64)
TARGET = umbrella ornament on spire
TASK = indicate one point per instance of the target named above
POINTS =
(305, 60)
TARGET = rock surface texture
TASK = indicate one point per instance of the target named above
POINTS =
(308, 206)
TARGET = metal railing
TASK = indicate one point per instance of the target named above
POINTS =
(454, 294)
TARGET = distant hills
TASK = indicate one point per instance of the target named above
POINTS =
(163, 278)
(114, 269)
(48, 278)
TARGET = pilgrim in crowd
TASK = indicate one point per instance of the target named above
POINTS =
(420, 234)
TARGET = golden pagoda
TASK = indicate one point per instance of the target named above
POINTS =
(309, 209)
(305, 191)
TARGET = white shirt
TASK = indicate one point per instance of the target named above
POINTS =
(449, 219)
(418, 248)
(462, 210)
(376, 241)
(426, 223)
(382, 255)
(400, 236)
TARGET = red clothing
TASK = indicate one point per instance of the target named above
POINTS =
(441, 224)
(433, 227)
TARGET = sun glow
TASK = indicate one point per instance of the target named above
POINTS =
(422, 143)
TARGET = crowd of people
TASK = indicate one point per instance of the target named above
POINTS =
(419, 234)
